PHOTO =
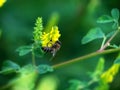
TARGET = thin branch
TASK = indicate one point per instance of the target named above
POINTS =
(108, 42)
(103, 42)
(99, 52)
(84, 57)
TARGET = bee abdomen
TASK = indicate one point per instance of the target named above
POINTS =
(46, 49)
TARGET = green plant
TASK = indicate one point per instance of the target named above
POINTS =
(47, 40)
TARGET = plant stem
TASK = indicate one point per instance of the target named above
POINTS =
(101, 51)
(103, 42)
(108, 42)
(85, 57)
(33, 57)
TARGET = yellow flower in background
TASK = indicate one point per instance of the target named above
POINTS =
(49, 39)
(108, 76)
(2, 2)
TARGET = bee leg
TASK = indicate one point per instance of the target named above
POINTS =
(45, 49)
(53, 51)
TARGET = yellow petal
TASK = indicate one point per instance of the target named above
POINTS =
(2, 2)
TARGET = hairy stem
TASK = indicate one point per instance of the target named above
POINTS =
(85, 57)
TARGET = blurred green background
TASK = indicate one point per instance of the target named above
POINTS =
(76, 17)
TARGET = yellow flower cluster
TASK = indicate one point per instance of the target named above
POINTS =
(2, 2)
(109, 74)
(49, 39)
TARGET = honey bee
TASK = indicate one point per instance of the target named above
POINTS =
(52, 49)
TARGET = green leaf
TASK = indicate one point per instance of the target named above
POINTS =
(115, 25)
(23, 50)
(93, 34)
(9, 67)
(39, 52)
(98, 70)
(27, 69)
(110, 34)
(105, 19)
(77, 85)
(117, 61)
(26, 78)
(44, 69)
(48, 82)
(114, 46)
(100, 65)
(115, 14)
